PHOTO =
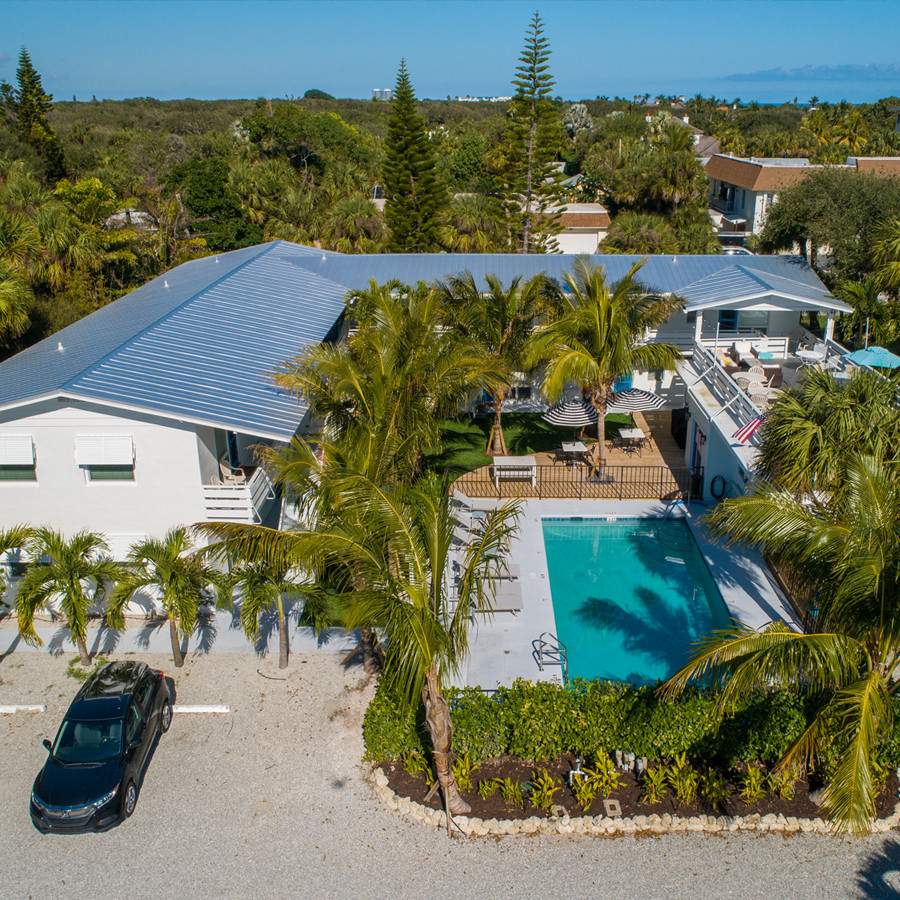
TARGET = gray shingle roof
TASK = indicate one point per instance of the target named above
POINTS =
(200, 343)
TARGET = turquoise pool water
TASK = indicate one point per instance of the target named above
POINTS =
(629, 596)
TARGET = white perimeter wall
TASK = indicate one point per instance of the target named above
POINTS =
(166, 490)
(579, 241)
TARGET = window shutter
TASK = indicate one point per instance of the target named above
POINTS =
(104, 450)
(16, 450)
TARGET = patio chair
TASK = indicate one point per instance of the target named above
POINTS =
(231, 474)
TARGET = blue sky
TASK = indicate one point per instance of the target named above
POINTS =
(226, 49)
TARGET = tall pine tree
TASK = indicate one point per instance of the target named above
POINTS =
(416, 198)
(534, 135)
(29, 105)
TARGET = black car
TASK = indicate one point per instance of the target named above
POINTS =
(94, 768)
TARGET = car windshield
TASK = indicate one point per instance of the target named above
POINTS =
(88, 742)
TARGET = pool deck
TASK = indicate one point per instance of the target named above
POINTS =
(501, 644)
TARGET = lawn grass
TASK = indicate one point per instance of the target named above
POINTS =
(463, 440)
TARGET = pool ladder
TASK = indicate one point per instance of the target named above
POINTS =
(549, 650)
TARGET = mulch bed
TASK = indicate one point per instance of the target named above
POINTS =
(405, 785)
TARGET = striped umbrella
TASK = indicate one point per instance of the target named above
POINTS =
(634, 400)
(571, 414)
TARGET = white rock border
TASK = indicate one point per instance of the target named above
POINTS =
(653, 824)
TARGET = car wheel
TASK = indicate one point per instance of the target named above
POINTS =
(165, 717)
(129, 800)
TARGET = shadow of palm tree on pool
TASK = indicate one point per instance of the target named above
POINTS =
(654, 630)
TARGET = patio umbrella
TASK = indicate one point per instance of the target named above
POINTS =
(571, 414)
(634, 400)
(879, 357)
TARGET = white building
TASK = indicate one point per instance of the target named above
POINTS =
(743, 190)
(144, 415)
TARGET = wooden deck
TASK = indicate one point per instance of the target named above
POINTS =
(656, 471)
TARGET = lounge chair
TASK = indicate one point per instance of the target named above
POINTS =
(508, 596)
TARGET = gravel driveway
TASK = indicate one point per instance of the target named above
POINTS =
(271, 801)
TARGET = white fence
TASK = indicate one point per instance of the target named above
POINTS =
(238, 502)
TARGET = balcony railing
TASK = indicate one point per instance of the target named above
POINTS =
(583, 482)
(723, 388)
(239, 502)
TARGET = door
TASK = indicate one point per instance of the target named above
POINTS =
(137, 740)
(145, 695)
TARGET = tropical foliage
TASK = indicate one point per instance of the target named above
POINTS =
(67, 578)
(599, 337)
(172, 572)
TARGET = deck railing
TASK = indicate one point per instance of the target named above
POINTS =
(239, 502)
(582, 482)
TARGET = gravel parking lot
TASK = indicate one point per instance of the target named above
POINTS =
(271, 800)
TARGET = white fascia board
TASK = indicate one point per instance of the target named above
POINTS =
(147, 411)
(732, 302)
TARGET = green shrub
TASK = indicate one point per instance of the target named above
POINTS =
(714, 789)
(605, 776)
(585, 790)
(544, 788)
(783, 781)
(81, 673)
(511, 791)
(753, 784)
(540, 722)
(417, 766)
(683, 779)
(487, 787)
(655, 783)
(463, 769)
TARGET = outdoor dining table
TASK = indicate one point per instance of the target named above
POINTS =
(633, 436)
(574, 450)
(516, 468)
(811, 356)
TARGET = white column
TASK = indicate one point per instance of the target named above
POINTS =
(829, 327)
(698, 325)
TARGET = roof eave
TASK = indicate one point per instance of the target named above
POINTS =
(241, 428)
(829, 303)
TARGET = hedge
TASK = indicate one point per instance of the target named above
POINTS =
(542, 721)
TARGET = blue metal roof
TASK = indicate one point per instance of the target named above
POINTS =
(201, 342)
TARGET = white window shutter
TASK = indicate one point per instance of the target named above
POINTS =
(104, 450)
(16, 450)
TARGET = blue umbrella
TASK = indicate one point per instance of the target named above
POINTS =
(878, 357)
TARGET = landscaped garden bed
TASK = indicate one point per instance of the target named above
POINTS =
(630, 795)
(675, 758)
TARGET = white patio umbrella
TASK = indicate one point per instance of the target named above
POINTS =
(634, 400)
(571, 414)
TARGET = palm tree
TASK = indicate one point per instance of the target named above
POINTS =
(179, 574)
(499, 323)
(475, 223)
(75, 572)
(813, 427)
(14, 538)
(887, 255)
(393, 553)
(262, 587)
(354, 224)
(600, 336)
(871, 317)
(848, 547)
(640, 232)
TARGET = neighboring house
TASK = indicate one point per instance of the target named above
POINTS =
(144, 415)
(742, 190)
(583, 226)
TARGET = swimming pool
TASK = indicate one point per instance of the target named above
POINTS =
(629, 596)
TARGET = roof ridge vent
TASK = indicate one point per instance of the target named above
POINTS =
(59, 347)
(165, 283)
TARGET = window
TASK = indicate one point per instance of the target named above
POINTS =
(133, 725)
(110, 473)
(18, 473)
(144, 692)
(755, 319)
(17, 458)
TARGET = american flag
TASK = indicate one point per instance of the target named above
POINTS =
(745, 432)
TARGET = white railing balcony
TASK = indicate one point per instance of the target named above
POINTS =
(239, 502)
(727, 396)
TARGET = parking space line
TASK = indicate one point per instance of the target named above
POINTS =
(213, 710)
(22, 707)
